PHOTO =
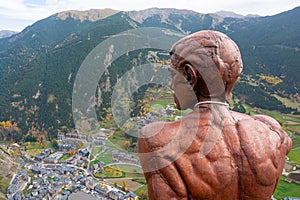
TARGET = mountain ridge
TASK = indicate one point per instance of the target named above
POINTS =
(38, 66)
(7, 33)
(90, 15)
(224, 13)
(141, 15)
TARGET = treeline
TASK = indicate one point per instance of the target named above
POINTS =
(257, 97)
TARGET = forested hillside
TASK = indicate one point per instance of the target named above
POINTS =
(38, 66)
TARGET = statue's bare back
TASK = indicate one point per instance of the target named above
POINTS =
(212, 153)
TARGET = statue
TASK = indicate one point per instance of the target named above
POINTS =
(213, 152)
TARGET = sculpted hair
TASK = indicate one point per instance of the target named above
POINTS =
(216, 57)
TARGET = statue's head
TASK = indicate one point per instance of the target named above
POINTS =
(210, 62)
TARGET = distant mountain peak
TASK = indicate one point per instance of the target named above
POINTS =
(224, 14)
(7, 33)
(231, 14)
(89, 15)
(141, 15)
(251, 15)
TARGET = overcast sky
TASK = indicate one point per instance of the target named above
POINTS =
(17, 14)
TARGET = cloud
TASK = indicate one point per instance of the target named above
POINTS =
(12, 5)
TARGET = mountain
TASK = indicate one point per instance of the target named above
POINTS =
(91, 15)
(38, 66)
(230, 14)
(6, 33)
(224, 14)
(54, 29)
(272, 44)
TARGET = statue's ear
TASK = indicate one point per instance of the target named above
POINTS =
(190, 74)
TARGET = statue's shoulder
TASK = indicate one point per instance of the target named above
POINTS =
(269, 121)
(156, 135)
(159, 134)
(262, 130)
(265, 146)
(258, 122)
(267, 128)
(274, 126)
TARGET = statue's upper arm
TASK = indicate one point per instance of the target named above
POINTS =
(265, 146)
(163, 181)
(276, 127)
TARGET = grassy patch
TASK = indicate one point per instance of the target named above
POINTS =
(4, 184)
(276, 115)
(120, 171)
(96, 150)
(296, 141)
(128, 168)
(141, 180)
(117, 140)
(7, 169)
(133, 175)
(130, 171)
(110, 172)
(130, 185)
(294, 118)
(34, 152)
(2, 196)
(294, 156)
(53, 179)
(33, 145)
(92, 157)
(4, 142)
(167, 119)
(98, 175)
(94, 162)
(288, 121)
(142, 192)
(285, 189)
(48, 145)
(105, 159)
(65, 157)
(294, 128)
(288, 102)
(159, 104)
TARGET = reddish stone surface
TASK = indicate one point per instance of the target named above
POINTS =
(213, 152)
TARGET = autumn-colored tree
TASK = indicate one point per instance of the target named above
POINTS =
(102, 185)
(108, 116)
(115, 184)
(124, 185)
(72, 152)
(10, 132)
(127, 126)
(127, 144)
(120, 172)
(80, 145)
(143, 194)
(6, 124)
